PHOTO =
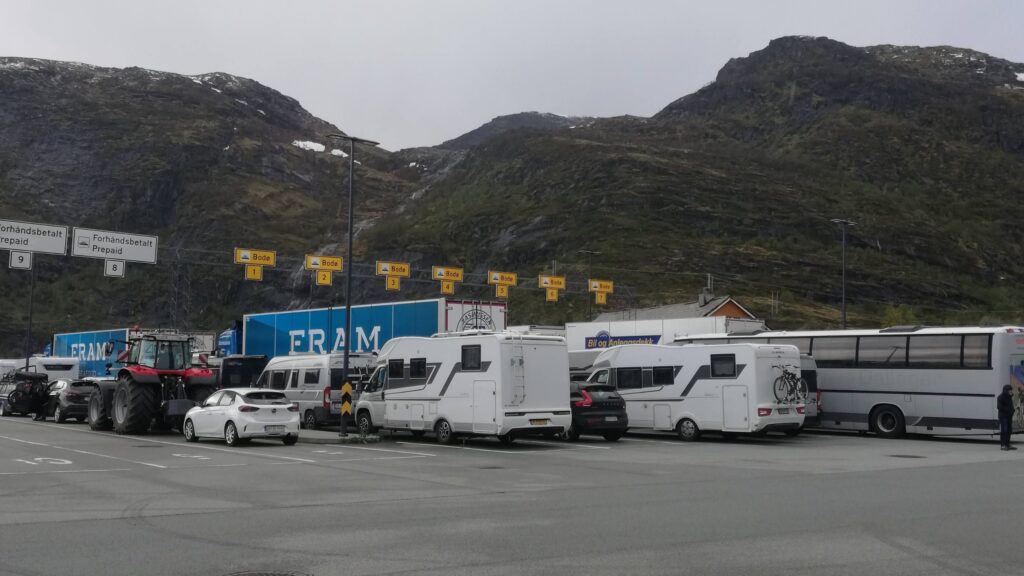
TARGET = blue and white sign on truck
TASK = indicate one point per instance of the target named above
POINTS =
(322, 330)
(89, 348)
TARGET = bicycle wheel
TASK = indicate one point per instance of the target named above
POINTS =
(801, 390)
(781, 388)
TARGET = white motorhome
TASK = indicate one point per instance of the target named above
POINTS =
(307, 380)
(692, 389)
(55, 367)
(503, 384)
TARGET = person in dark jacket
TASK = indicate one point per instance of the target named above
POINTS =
(1004, 404)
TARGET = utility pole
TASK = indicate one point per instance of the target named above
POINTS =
(843, 224)
(590, 265)
(28, 334)
(348, 266)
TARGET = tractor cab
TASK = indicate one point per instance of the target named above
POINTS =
(161, 353)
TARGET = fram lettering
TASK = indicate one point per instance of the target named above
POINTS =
(89, 351)
(312, 340)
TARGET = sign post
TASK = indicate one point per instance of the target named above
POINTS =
(254, 261)
(551, 285)
(114, 248)
(23, 239)
(448, 276)
(502, 281)
(393, 273)
(346, 405)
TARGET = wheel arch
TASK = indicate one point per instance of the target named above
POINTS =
(878, 405)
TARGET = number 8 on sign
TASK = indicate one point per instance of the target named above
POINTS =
(113, 268)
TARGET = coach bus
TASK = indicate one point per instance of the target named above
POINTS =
(907, 379)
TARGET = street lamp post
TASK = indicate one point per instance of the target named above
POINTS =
(843, 224)
(590, 265)
(348, 261)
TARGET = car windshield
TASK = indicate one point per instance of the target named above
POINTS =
(266, 398)
(84, 384)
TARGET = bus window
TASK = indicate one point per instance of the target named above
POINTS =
(939, 351)
(976, 350)
(803, 344)
(835, 351)
(888, 351)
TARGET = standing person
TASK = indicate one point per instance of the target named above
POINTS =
(1004, 404)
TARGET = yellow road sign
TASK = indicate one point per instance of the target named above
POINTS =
(324, 277)
(606, 286)
(393, 283)
(557, 282)
(401, 269)
(447, 287)
(446, 273)
(502, 278)
(552, 295)
(346, 408)
(254, 273)
(314, 262)
(600, 298)
(501, 290)
(346, 388)
(258, 257)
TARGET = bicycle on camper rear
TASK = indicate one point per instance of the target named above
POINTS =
(789, 387)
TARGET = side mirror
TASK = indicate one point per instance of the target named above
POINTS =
(108, 348)
(203, 358)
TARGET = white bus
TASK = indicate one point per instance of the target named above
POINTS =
(694, 389)
(908, 379)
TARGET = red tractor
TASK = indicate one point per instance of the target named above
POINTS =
(155, 386)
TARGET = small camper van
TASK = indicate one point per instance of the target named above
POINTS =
(503, 384)
(726, 388)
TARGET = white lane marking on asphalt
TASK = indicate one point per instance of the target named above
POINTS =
(481, 449)
(374, 458)
(196, 456)
(109, 435)
(44, 460)
(84, 452)
(679, 443)
(63, 471)
(387, 450)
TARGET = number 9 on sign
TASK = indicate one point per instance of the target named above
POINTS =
(21, 260)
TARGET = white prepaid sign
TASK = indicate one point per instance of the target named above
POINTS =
(114, 246)
(30, 237)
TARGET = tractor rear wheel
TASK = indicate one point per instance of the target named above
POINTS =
(98, 418)
(135, 406)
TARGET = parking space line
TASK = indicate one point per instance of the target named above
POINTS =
(63, 471)
(564, 446)
(387, 450)
(85, 452)
(374, 458)
(478, 449)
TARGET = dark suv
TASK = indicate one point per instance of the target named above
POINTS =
(596, 409)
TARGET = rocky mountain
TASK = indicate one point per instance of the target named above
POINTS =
(922, 147)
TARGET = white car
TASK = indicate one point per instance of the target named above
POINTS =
(238, 414)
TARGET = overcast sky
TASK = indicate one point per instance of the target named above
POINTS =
(417, 72)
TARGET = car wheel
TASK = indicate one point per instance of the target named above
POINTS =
(189, 430)
(364, 424)
(887, 422)
(231, 435)
(58, 415)
(688, 430)
(613, 436)
(444, 432)
(309, 420)
(506, 439)
(290, 440)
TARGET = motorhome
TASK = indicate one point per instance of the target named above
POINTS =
(55, 367)
(308, 380)
(693, 389)
(503, 384)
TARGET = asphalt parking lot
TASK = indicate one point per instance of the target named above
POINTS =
(74, 501)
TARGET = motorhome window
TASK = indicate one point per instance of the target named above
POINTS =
(626, 378)
(887, 351)
(277, 379)
(293, 380)
(723, 365)
(802, 344)
(418, 368)
(600, 377)
(396, 369)
(937, 351)
(664, 375)
(647, 378)
(835, 351)
(471, 357)
(977, 348)
(312, 376)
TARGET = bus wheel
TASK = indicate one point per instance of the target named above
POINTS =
(887, 421)
(688, 430)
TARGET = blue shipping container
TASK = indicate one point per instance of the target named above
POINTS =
(88, 348)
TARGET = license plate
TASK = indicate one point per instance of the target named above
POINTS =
(538, 421)
(783, 410)
(273, 429)
(611, 418)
